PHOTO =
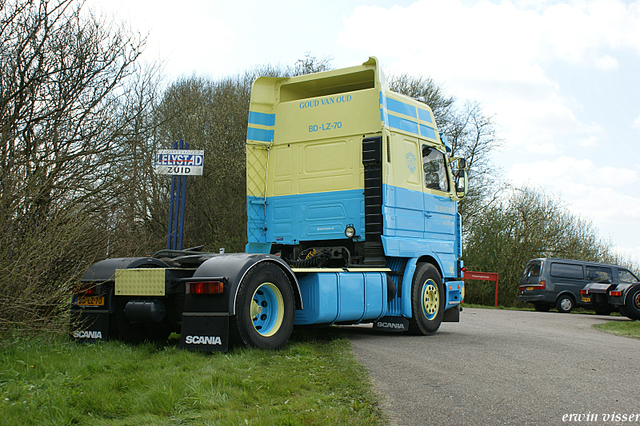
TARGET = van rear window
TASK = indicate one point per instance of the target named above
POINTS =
(532, 269)
(565, 270)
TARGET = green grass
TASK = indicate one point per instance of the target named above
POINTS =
(315, 380)
(621, 328)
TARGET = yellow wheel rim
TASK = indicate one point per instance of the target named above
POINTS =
(430, 299)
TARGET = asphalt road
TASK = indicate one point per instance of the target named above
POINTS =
(505, 368)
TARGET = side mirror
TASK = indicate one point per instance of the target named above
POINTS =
(460, 177)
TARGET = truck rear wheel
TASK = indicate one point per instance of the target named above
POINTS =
(264, 308)
(427, 300)
(632, 304)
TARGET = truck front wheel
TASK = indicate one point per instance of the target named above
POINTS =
(264, 308)
(427, 300)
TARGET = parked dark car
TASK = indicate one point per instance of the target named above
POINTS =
(548, 283)
(623, 296)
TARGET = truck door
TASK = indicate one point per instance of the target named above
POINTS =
(439, 208)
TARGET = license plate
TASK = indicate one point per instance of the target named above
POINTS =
(529, 288)
(90, 301)
(586, 299)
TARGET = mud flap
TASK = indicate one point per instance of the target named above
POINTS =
(452, 314)
(205, 333)
(89, 326)
(393, 324)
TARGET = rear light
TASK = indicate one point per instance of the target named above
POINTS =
(87, 289)
(583, 291)
(204, 287)
(539, 286)
(615, 293)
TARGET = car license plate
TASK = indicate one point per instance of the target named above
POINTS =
(529, 288)
(586, 299)
(90, 301)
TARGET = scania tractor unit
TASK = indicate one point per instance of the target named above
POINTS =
(351, 218)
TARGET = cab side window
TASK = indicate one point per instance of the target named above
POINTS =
(435, 171)
(625, 276)
(599, 274)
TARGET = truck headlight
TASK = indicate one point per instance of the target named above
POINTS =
(350, 231)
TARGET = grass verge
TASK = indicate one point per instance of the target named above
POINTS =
(314, 380)
(621, 328)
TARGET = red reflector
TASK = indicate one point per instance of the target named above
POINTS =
(205, 287)
(616, 293)
(584, 291)
(86, 289)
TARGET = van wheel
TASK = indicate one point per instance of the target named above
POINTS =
(632, 304)
(565, 304)
(427, 300)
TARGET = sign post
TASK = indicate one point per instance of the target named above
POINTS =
(179, 162)
(483, 276)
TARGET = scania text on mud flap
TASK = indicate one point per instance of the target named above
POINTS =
(351, 218)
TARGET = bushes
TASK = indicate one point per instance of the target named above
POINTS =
(523, 224)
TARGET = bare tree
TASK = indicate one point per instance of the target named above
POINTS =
(61, 95)
(311, 64)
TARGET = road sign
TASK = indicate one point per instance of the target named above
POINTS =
(179, 162)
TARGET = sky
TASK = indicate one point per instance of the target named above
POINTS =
(560, 78)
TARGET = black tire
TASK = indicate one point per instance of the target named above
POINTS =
(427, 300)
(264, 309)
(565, 303)
(541, 307)
(632, 303)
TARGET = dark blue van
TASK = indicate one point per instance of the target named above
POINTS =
(549, 283)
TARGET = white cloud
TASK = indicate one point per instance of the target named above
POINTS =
(599, 192)
(636, 123)
(181, 37)
(605, 195)
(500, 54)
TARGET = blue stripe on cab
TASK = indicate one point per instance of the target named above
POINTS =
(262, 119)
(401, 108)
(403, 124)
(261, 135)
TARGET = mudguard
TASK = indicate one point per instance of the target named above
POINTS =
(624, 289)
(205, 318)
(233, 267)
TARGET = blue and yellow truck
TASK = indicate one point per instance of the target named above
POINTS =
(351, 218)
